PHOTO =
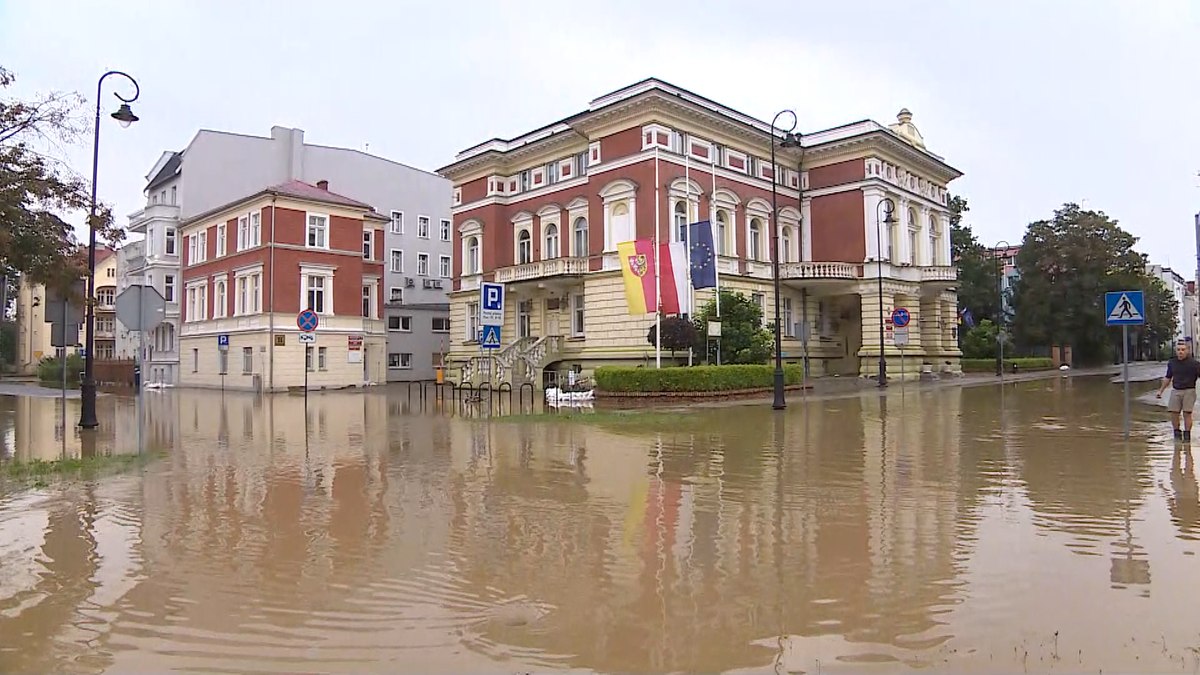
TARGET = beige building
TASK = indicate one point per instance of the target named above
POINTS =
(543, 214)
(33, 332)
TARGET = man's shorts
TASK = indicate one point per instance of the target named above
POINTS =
(1182, 400)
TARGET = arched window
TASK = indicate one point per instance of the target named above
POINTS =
(524, 248)
(551, 249)
(220, 304)
(914, 240)
(621, 229)
(473, 255)
(722, 233)
(935, 242)
(681, 222)
(581, 238)
(785, 245)
(756, 252)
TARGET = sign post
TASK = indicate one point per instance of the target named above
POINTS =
(491, 317)
(900, 321)
(307, 321)
(1125, 309)
(141, 308)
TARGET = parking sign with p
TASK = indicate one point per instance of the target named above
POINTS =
(491, 304)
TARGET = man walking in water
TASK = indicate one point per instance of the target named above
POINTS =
(1182, 372)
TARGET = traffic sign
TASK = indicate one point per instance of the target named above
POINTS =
(308, 338)
(491, 304)
(223, 340)
(1125, 308)
(74, 308)
(900, 337)
(141, 308)
(307, 320)
(900, 317)
(490, 338)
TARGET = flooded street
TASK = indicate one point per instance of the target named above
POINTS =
(947, 529)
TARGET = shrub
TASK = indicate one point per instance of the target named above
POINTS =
(616, 379)
(678, 334)
(50, 372)
(1023, 364)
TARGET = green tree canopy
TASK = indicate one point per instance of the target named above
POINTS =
(37, 189)
(743, 338)
(678, 334)
(977, 266)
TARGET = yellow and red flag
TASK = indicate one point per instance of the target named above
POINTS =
(637, 269)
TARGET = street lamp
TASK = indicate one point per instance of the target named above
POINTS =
(87, 390)
(883, 213)
(790, 140)
(1000, 307)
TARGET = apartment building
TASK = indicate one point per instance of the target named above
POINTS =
(33, 331)
(250, 266)
(543, 213)
(1178, 287)
(218, 168)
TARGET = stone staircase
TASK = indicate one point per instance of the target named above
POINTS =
(517, 362)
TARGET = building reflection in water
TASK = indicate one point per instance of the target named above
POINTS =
(367, 532)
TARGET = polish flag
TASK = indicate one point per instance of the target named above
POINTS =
(638, 270)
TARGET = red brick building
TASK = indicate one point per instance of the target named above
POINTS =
(251, 266)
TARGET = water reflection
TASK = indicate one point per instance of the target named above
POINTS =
(925, 528)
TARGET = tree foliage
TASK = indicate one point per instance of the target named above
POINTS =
(980, 341)
(678, 334)
(743, 337)
(977, 266)
(38, 189)
(1066, 265)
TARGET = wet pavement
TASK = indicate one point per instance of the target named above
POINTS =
(948, 529)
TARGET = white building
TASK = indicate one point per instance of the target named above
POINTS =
(219, 167)
(1178, 288)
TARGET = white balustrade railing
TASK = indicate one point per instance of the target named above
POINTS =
(542, 268)
(818, 270)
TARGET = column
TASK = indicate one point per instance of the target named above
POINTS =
(928, 255)
(871, 318)
(900, 238)
(931, 327)
(806, 230)
(871, 212)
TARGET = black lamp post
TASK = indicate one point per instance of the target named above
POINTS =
(87, 390)
(790, 140)
(1000, 318)
(883, 213)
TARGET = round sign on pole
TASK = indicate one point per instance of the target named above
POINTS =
(307, 320)
(900, 317)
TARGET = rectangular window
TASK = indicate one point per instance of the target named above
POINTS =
(315, 293)
(195, 360)
(318, 231)
(789, 321)
(202, 246)
(243, 233)
(577, 314)
(396, 295)
(397, 261)
(400, 323)
(202, 300)
(423, 264)
(308, 358)
(321, 358)
(174, 194)
(243, 296)
(758, 300)
(220, 239)
(220, 300)
(255, 293)
(191, 254)
(368, 244)
(445, 229)
(247, 361)
(472, 322)
(423, 227)
(397, 222)
(170, 241)
(169, 288)
(444, 266)
(441, 324)
(256, 229)
(368, 304)
(399, 361)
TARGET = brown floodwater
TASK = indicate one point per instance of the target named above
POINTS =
(948, 529)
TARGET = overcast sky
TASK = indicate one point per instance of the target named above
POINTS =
(1038, 103)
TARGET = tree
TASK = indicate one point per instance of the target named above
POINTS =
(678, 334)
(977, 266)
(743, 338)
(980, 341)
(37, 189)
(1066, 266)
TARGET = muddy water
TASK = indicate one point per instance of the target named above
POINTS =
(949, 530)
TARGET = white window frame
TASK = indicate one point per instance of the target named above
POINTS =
(191, 250)
(170, 286)
(578, 308)
(422, 271)
(368, 244)
(202, 246)
(322, 229)
(395, 297)
(401, 320)
(371, 286)
(170, 243)
(518, 258)
(472, 248)
(548, 252)
(322, 358)
(243, 232)
(397, 224)
(472, 322)
(248, 286)
(445, 266)
(307, 271)
(221, 294)
(392, 261)
(400, 361)
(445, 229)
(433, 326)
(422, 227)
(222, 238)
(255, 229)
(247, 360)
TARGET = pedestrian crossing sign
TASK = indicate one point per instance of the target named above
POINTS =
(1125, 308)
(490, 338)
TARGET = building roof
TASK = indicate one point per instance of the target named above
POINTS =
(167, 172)
(104, 253)
(302, 190)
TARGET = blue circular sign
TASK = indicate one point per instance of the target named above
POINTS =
(307, 320)
(900, 317)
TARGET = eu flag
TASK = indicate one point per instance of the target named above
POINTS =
(703, 256)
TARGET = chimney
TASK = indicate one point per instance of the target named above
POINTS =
(323, 184)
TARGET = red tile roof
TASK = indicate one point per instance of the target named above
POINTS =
(302, 190)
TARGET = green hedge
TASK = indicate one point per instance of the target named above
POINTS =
(616, 379)
(989, 365)
(50, 372)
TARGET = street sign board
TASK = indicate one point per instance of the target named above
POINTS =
(307, 320)
(223, 341)
(54, 305)
(1125, 308)
(490, 338)
(900, 317)
(308, 338)
(900, 337)
(56, 335)
(354, 342)
(491, 304)
(141, 308)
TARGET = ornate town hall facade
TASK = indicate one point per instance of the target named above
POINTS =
(543, 214)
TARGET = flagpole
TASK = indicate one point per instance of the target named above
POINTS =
(712, 224)
(687, 231)
(657, 280)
